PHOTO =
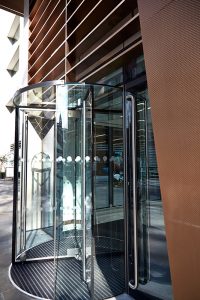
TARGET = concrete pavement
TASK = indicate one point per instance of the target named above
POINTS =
(7, 290)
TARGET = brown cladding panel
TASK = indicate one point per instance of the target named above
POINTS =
(98, 36)
(48, 66)
(16, 7)
(48, 18)
(47, 35)
(95, 41)
(38, 47)
(56, 72)
(42, 59)
(36, 12)
(171, 41)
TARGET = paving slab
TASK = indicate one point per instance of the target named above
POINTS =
(7, 291)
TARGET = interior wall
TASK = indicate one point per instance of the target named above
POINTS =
(170, 32)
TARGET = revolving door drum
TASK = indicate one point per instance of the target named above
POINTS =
(81, 139)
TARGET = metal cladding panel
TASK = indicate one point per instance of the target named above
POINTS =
(47, 41)
(16, 7)
(171, 41)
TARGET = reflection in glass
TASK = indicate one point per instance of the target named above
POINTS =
(109, 241)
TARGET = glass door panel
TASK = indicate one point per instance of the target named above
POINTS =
(68, 184)
(108, 197)
(149, 274)
(36, 183)
(89, 243)
(73, 192)
(136, 128)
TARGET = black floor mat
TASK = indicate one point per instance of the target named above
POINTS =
(62, 279)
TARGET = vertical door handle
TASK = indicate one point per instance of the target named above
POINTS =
(133, 285)
(83, 202)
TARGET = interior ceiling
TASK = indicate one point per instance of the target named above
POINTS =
(16, 7)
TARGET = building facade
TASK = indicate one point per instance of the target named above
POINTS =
(10, 76)
(149, 50)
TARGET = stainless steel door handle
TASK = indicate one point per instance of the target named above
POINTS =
(135, 284)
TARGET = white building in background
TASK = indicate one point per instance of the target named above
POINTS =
(10, 76)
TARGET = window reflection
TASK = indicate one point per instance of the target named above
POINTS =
(108, 146)
(108, 190)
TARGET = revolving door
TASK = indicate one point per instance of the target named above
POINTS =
(69, 238)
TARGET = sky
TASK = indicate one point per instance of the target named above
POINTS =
(6, 119)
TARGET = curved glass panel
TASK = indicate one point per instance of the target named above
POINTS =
(69, 190)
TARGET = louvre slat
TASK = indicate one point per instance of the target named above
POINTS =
(53, 15)
(101, 31)
(44, 56)
(101, 49)
(36, 12)
(35, 28)
(77, 39)
(115, 62)
(46, 67)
